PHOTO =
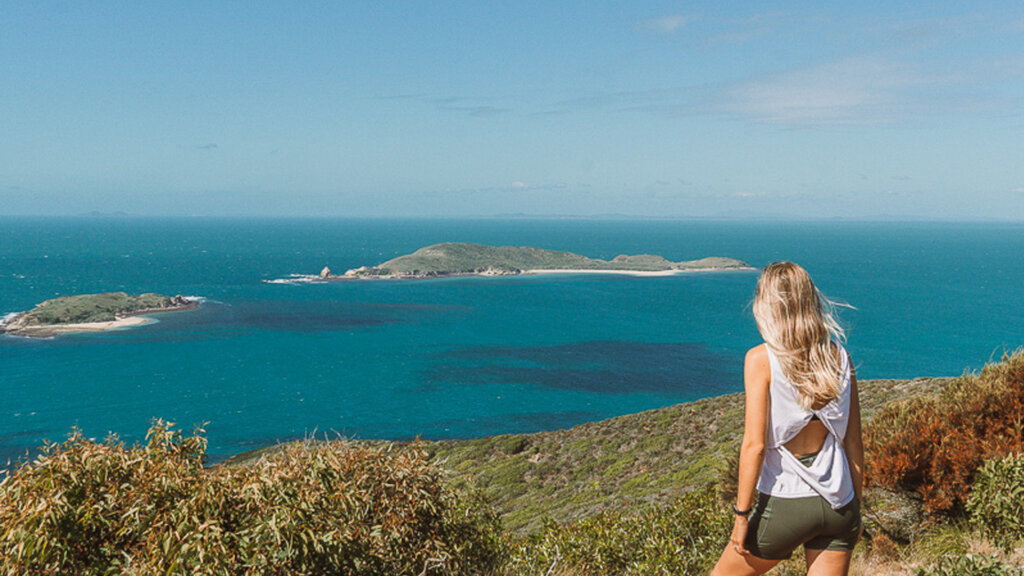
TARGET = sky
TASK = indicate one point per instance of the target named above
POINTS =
(863, 110)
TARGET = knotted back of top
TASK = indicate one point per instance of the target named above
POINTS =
(829, 475)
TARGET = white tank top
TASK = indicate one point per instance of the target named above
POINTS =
(784, 476)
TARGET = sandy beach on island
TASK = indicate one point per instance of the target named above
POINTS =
(295, 279)
(629, 272)
(24, 325)
(50, 330)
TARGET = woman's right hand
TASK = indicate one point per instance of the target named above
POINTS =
(739, 535)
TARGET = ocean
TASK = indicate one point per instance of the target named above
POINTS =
(261, 363)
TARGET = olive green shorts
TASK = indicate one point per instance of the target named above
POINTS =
(779, 525)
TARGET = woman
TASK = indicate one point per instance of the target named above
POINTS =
(802, 438)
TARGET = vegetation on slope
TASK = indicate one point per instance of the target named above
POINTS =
(995, 509)
(95, 308)
(330, 508)
(649, 457)
(459, 258)
(632, 495)
(685, 536)
(934, 445)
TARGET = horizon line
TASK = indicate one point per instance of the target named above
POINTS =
(883, 218)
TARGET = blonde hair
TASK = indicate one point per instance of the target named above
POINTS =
(798, 325)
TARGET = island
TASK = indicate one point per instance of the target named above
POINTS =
(91, 313)
(462, 259)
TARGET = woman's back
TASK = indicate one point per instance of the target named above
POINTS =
(809, 440)
(812, 436)
(795, 431)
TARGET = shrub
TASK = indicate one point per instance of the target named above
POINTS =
(84, 507)
(685, 537)
(969, 565)
(728, 472)
(934, 445)
(942, 539)
(996, 503)
(94, 307)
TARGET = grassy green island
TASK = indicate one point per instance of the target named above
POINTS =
(645, 493)
(91, 313)
(459, 259)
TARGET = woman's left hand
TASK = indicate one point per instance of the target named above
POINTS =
(739, 535)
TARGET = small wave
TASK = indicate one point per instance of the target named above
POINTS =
(199, 299)
(8, 317)
(294, 279)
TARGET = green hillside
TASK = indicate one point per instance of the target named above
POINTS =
(459, 258)
(97, 307)
(79, 313)
(650, 457)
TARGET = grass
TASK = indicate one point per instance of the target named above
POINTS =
(93, 308)
(460, 258)
(651, 457)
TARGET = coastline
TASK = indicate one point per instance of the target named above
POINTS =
(643, 273)
(137, 318)
(455, 259)
(51, 330)
(295, 279)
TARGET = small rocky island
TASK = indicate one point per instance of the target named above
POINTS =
(461, 259)
(91, 313)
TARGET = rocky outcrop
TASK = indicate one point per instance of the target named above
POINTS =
(178, 301)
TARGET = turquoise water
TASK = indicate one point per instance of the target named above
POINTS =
(463, 357)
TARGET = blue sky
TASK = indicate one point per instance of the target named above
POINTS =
(680, 109)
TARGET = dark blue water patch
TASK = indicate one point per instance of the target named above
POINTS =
(220, 320)
(325, 316)
(603, 367)
(289, 316)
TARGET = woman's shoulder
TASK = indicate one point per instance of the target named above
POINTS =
(759, 351)
(758, 355)
(844, 354)
(757, 369)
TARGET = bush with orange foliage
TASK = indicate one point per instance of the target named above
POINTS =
(935, 445)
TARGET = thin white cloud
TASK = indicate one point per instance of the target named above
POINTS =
(616, 99)
(667, 24)
(469, 106)
(1019, 190)
(854, 91)
(478, 111)
(743, 30)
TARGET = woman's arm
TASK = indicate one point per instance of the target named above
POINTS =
(853, 444)
(756, 380)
